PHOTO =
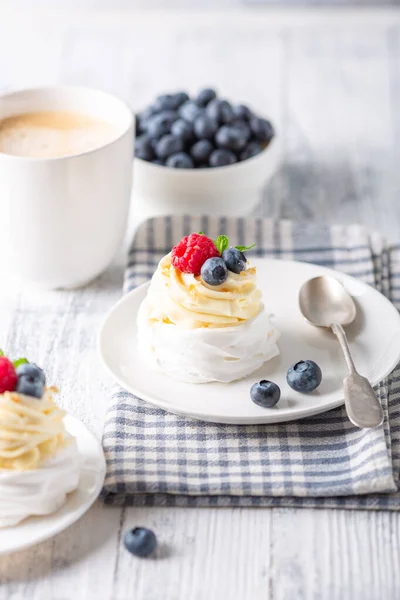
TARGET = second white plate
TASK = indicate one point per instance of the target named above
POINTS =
(37, 529)
(374, 338)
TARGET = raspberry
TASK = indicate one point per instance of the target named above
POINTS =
(192, 252)
(8, 376)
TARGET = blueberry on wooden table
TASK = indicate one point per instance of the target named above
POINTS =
(140, 541)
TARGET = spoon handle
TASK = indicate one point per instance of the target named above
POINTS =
(362, 405)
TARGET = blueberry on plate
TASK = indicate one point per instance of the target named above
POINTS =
(221, 158)
(205, 127)
(201, 150)
(234, 260)
(180, 160)
(144, 148)
(158, 161)
(167, 145)
(190, 111)
(214, 271)
(161, 123)
(252, 149)
(242, 112)
(205, 96)
(182, 129)
(262, 129)
(31, 380)
(220, 110)
(140, 541)
(265, 393)
(304, 376)
(230, 137)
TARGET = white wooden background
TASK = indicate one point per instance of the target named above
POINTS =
(331, 83)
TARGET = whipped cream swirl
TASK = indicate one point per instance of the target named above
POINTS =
(31, 430)
(199, 333)
(39, 460)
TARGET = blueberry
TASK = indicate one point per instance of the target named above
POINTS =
(167, 145)
(221, 158)
(242, 112)
(165, 102)
(252, 149)
(143, 148)
(31, 380)
(230, 137)
(160, 124)
(181, 160)
(205, 96)
(304, 376)
(179, 99)
(201, 150)
(182, 129)
(189, 111)
(234, 260)
(143, 118)
(140, 541)
(265, 393)
(262, 129)
(220, 110)
(158, 161)
(243, 126)
(205, 127)
(214, 271)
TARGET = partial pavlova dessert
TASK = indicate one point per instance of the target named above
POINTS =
(39, 460)
(203, 318)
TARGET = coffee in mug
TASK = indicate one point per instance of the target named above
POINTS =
(65, 181)
(53, 133)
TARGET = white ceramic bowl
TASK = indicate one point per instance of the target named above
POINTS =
(234, 189)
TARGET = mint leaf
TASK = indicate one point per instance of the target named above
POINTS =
(222, 243)
(19, 361)
(1, 353)
(201, 233)
(244, 248)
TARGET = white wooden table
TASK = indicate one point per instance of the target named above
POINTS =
(330, 81)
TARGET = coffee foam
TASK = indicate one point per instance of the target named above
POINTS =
(52, 134)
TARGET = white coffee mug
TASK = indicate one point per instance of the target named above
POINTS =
(62, 219)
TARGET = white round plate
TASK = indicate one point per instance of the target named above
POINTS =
(37, 529)
(374, 339)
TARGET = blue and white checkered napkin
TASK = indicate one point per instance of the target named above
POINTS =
(154, 457)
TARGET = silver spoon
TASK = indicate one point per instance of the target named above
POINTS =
(325, 303)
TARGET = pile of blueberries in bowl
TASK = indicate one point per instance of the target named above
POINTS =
(206, 131)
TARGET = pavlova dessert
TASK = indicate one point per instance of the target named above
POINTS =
(203, 318)
(39, 460)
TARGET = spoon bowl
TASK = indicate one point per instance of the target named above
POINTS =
(324, 301)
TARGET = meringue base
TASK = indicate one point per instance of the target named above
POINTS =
(40, 491)
(203, 355)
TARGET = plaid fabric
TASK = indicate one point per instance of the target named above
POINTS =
(154, 457)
